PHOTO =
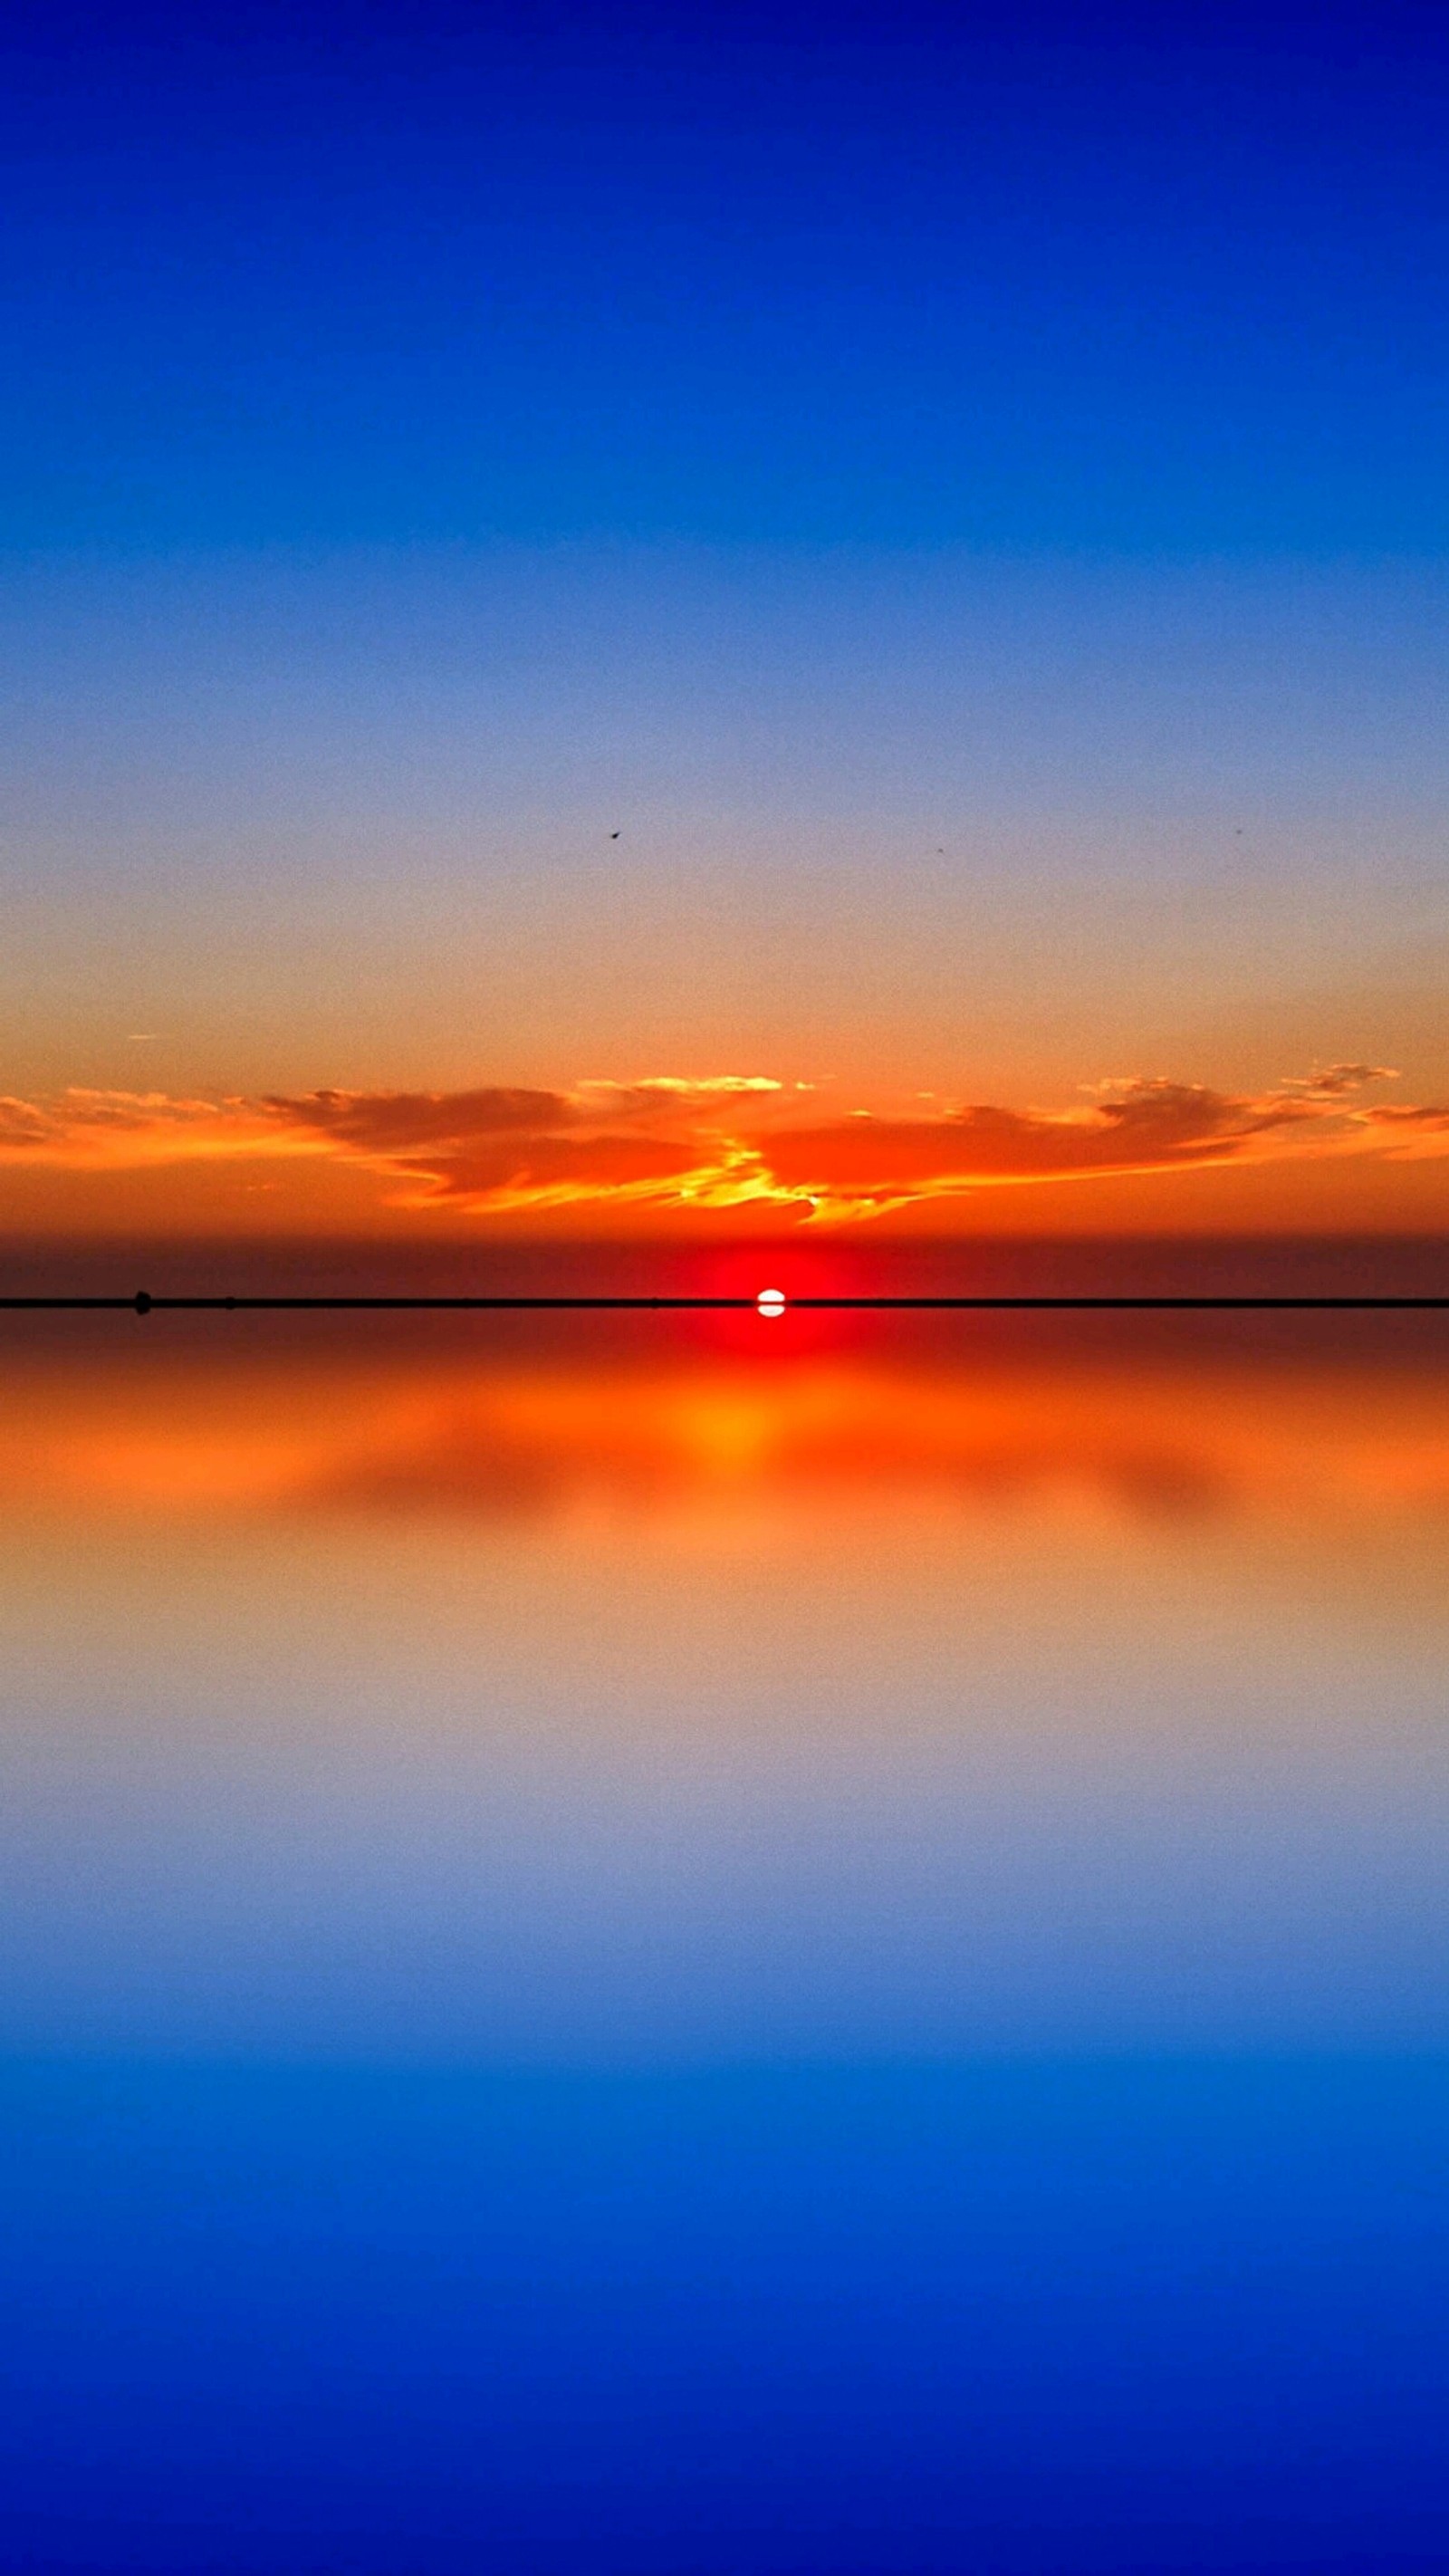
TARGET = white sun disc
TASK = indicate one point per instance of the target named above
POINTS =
(771, 1301)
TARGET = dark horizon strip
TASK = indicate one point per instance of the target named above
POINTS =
(143, 1303)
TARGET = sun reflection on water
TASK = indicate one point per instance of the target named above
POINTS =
(449, 1431)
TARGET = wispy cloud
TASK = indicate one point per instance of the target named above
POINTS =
(126, 1130)
(388, 1123)
(668, 1141)
(1139, 1126)
(1335, 1081)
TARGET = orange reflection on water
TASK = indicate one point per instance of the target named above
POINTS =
(448, 1432)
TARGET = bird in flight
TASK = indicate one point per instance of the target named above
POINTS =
(613, 836)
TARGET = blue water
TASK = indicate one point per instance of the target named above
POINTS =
(1072, 2314)
(675, 1970)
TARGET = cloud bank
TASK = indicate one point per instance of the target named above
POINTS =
(675, 1143)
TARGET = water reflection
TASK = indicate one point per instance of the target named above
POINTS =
(697, 1432)
(624, 1952)
(640, 1696)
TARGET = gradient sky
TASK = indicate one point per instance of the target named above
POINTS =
(961, 494)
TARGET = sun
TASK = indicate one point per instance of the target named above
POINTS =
(771, 1301)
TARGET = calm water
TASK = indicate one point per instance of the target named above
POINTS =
(630, 1952)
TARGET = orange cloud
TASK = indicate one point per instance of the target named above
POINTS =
(125, 1130)
(538, 1169)
(1138, 1127)
(1414, 1132)
(674, 1143)
(1334, 1081)
(387, 1123)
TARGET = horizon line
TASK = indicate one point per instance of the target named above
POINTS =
(142, 1302)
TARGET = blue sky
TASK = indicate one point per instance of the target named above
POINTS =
(1144, 281)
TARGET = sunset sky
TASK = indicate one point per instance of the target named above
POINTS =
(724, 1287)
(624, 619)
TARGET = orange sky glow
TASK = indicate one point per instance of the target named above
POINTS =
(1337, 1146)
